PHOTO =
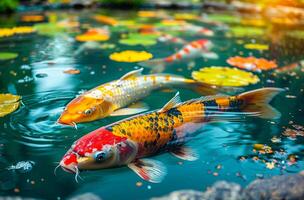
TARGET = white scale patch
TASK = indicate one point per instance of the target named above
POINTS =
(95, 94)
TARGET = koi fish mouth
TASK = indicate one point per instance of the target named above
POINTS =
(69, 164)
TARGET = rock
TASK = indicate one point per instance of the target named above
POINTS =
(224, 190)
(86, 196)
(182, 195)
(278, 187)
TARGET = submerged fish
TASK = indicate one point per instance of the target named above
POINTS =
(170, 38)
(111, 98)
(190, 51)
(130, 140)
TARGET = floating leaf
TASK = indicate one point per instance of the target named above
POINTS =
(139, 39)
(131, 56)
(251, 63)
(6, 32)
(185, 16)
(224, 18)
(72, 71)
(246, 31)
(106, 20)
(260, 47)
(8, 104)
(8, 55)
(262, 148)
(49, 29)
(270, 165)
(32, 18)
(225, 76)
(145, 13)
(94, 34)
(253, 22)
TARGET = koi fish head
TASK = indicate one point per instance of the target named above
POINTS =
(205, 44)
(84, 109)
(98, 150)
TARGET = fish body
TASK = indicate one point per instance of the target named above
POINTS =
(170, 38)
(111, 98)
(128, 141)
(192, 50)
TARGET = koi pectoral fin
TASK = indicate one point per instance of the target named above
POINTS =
(185, 153)
(149, 170)
(210, 55)
(131, 110)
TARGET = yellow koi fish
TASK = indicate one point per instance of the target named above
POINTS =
(111, 98)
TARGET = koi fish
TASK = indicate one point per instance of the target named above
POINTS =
(130, 141)
(170, 38)
(87, 46)
(112, 98)
(190, 51)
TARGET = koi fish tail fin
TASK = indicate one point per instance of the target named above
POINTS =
(204, 88)
(208, 89)
(156, 65)
(257, 101)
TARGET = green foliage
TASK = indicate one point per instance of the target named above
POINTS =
(134, 3)
(8, 5)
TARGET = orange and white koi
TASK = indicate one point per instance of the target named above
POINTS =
(190, 51)
(112, 98)
(130, 141)
(170, 38)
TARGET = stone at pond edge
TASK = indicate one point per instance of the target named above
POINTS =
(182, 195)
(277, 187)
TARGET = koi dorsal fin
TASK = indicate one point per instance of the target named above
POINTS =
(132, 74)
(173, 102)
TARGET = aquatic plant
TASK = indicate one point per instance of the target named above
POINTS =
(251, 63)
(225, 76)
(8, 103)
(131, 56)
(7, 55)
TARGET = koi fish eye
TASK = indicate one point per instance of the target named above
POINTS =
(101, 155)
(88, 111)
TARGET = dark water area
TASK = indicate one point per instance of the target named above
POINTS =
(226, 149)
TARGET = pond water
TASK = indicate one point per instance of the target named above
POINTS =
(226, 149)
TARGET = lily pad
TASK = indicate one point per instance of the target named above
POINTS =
(225, 76)
(8, 103)
(251, 63)
(224, 18)
(49, 29)
(260, 47)
(131, 56)
(140, 39)
(246, 31)
(8, 55)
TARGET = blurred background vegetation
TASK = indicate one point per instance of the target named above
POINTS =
(7, 6)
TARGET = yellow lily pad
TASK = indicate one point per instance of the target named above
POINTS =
(131, 56)
(94, 34)
(8, 104)
(260, 47)
(7, 32)
(225, 76)
(32, 18)
(106, 20)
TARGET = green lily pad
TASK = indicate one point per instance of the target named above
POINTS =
(224, 18)
(49, 29)
(139, 39)
(246, 31)
(8, 55)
